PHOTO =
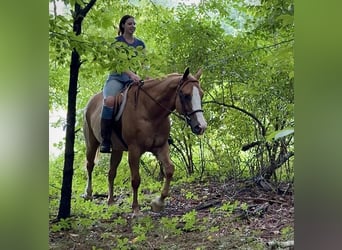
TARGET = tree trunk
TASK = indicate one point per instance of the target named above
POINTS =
(269, 170)
(68, 170)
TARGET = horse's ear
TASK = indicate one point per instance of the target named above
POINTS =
(198, 74)
(186, 73)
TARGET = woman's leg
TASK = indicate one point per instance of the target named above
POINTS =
(111, 88)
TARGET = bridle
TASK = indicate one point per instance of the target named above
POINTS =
(184, 115)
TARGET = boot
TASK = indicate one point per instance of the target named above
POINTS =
(106, 134)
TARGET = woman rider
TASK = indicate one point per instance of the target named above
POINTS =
(117, 81)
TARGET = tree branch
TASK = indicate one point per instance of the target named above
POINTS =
(272, 45)
(250, 145)
(80, 15)
(88, 7)
(262, 127)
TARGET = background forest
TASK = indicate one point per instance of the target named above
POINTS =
(245, 49)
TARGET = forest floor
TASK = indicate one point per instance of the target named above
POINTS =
(209, 215)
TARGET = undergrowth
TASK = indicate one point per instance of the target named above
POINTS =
(95, 225)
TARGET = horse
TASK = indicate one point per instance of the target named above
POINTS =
(144, 126)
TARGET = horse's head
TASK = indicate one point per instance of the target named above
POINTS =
(189, 101)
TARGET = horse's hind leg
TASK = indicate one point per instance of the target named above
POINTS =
(164, 158)
(133, 159)
(90, 155)
(115, 159)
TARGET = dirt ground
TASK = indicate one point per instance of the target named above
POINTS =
(262, 218)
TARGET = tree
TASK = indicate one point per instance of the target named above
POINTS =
(65, 201)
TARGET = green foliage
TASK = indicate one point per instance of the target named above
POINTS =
(244, 206)
(190, 220)
(145, 222)
(287, 232)
(214, 229)
(120, 221)
(63, 224)
(140, 233)
(123, 243)
(229, 207)
(170, 226)
(190, 195)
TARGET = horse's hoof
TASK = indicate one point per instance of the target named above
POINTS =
(87, 197)
(157, 205)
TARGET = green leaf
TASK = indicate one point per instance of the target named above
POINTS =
(80, 2)
(280, 134)
(286, 19)
(283, 133)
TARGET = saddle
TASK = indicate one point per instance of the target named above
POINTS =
(120, 102)
(121, 98)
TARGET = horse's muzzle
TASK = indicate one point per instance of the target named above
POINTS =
(198, 126)
(198, 129)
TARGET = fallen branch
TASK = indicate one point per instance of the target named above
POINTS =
(282, 244)
(205, 205)
(263, 199)
(253, 210)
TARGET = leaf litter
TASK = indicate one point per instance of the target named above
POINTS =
(235, 214)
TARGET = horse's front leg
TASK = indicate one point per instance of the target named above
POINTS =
(163, 156)
(133, 160)
(115, 160)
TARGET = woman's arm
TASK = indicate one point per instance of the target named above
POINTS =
(133, 76)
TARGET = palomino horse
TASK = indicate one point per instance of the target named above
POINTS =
(145, 126)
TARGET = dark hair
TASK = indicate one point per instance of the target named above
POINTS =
(122, 22)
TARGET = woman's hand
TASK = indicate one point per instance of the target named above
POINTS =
(133, 76)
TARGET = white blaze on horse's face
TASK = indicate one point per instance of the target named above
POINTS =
(196, 105)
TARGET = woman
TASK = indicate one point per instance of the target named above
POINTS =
(117, 81)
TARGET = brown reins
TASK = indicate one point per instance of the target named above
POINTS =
(184, 116)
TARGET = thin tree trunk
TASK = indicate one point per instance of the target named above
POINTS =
(68, 170)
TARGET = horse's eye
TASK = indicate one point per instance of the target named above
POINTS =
(187, 97)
